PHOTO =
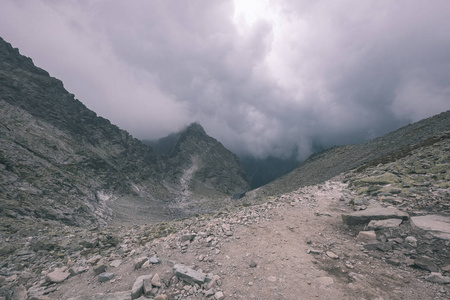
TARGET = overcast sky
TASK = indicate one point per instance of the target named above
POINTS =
(261, 76)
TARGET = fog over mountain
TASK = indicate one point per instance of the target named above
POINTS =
(262, 77)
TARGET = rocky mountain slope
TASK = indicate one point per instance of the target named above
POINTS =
(60, 162)
(329, 163)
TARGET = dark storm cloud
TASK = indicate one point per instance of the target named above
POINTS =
(263, 79)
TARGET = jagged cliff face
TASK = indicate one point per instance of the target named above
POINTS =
(60, 161)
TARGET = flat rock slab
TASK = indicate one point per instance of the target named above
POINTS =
(189, 275)
(438, 226)
(388, 223)
(374, 213)
(57, 276)
(112, 296)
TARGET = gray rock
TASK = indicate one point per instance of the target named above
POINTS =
(332, 255)
(425, 263)
(138, 262)
(77, 270)
(314, 251)
(115, 263)
(412, 241)
(438, 226)
(188, 275)
(154, 260)
(138, 287)
(57, 276)
(375, 213)
(106, 276)
(20, 293)
(219, 295)
(100, 268)
(147, 287)
(156, 281)
(187, 237)
(438, 278)
(388, 223)
(366, 236)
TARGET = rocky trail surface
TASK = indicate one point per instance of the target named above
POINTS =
(295, 246)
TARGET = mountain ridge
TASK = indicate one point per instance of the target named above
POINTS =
(326, 164)
(62, 162)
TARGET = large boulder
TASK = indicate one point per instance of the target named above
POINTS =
(374, 213)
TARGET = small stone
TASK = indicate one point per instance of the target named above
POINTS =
(187, 237)
(366, 236)
(58, 276)
(412, 241)
(156, 281)
(154, 260)
(332, 255)
(138, 262)
(147, 287)
(20, 293)
(438, 278)
(115, 263)
(100, 268)
(161, 297)
(138, 286)
(314, 251)
(188, 275)
(425, 263)
(388, 223)
(77, 270)
(253, 264)
(208, 293)
(219, 295)
(94, 260)
(272, 278)
(104, 277)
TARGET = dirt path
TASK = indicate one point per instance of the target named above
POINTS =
(293, 247)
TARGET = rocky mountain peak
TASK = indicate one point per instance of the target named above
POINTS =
(195, 129)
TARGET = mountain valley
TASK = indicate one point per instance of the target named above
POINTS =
(87, 212)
